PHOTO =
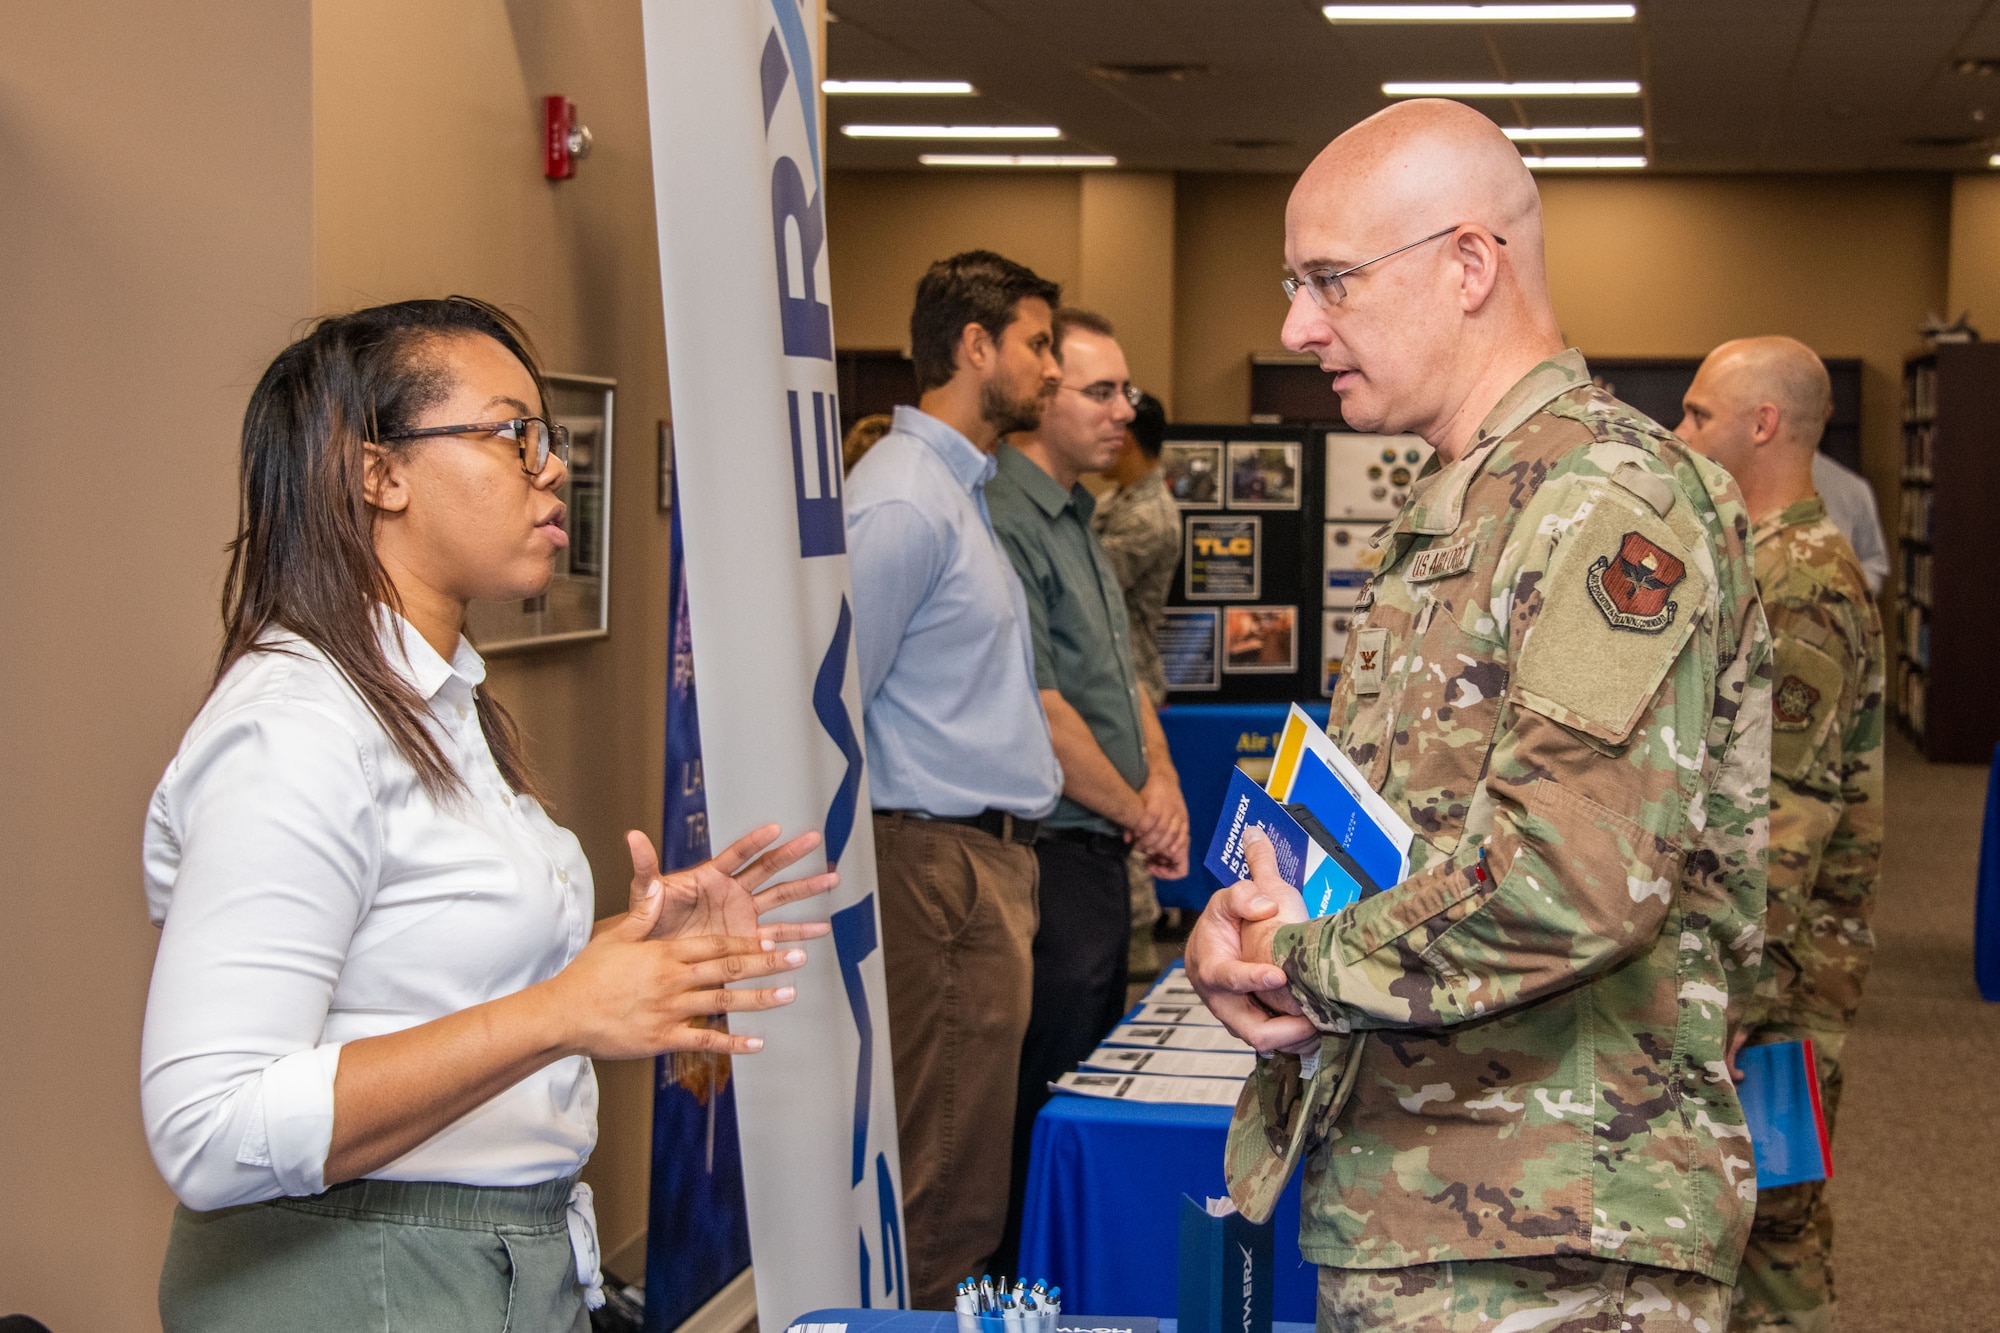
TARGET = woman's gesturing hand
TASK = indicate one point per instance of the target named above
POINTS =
(631, 994)
(720, 896)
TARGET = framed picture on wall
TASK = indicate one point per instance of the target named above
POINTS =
(1260, 638)
(1190, 643)
(1263, 476)
(1192, 471)
(577, 604)
(1221, 561)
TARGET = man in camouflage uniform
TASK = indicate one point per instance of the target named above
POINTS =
(1758, 407)
(1506, 1073)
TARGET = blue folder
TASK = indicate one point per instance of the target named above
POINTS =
(1780, 1096)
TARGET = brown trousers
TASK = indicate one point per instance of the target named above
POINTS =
(958, 929)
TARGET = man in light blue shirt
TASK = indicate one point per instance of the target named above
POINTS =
(961, 766)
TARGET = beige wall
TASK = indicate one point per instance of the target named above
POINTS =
(1107, 237)
(1975, 252)
(157, 235)
(1125, 268)
(1229, 254)
(426, 185)
(1671, 266)
(884, 228)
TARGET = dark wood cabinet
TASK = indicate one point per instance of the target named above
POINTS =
(1948, 640)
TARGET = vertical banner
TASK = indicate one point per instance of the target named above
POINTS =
(737, 178)
(698, 1235)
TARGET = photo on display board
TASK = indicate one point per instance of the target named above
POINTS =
(1334, 626)
(1369, 476)
(1347, 548)
(1190, 646)
(1260, 638)
(1192, 471)
(1263, 476)
(1223, 560)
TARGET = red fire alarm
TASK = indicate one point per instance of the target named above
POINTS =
(564, 141)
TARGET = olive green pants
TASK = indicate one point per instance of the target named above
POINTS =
(378, 1255)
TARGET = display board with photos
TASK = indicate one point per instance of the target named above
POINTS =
(1276, 524)
(1242, 622)
(577, 603)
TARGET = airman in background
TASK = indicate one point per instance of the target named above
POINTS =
(1506, 1073)
(1757, 407)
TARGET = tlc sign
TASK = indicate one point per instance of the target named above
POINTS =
(798, 243)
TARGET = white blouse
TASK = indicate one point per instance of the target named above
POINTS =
(311, 893)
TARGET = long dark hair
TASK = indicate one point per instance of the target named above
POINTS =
(304, 556)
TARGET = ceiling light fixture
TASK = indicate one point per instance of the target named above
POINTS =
(951, 131)
(1422, 13)
(1602, 89)
(897, 88)
(1585, 163)
(1012, 160)
(1993, 161)
(1571, 133)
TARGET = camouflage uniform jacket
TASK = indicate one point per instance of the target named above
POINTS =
(1561, 678)
(1140, 528)
(1826, 775)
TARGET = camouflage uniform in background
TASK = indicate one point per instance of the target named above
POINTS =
(1826, 851)
(1139, 527)
(1560, 677)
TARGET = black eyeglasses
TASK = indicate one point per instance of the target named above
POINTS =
(1325, 286)
(535, 438)
(1104, 391)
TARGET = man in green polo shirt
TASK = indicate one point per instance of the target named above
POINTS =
(1119, 785)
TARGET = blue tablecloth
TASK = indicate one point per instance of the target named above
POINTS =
(1206, 741)
(1986, 901)
(930, 1321)
(1102, 1217)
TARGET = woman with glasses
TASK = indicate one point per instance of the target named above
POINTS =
(366, 1064)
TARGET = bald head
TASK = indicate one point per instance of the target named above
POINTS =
(1758, 406)
(1421, 166)
(1783, 372)
(1414, 338)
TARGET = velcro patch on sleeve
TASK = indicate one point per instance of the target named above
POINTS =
(1619, 602)
(1805, 697)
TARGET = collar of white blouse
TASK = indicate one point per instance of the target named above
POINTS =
(413, 658)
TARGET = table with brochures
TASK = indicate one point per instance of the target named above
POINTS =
(1105, 1180)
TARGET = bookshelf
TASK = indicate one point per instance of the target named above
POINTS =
(1948, 627)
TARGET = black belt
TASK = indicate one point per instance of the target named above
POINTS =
(1099, 844)
(998, 823)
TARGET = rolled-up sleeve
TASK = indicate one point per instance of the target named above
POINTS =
(268, 832)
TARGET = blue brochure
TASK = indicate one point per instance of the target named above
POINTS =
(1339, 880)
(1340, 812)
(1247, 806)
(1780, 1096)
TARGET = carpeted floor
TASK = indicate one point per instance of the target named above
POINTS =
(1917, 1150)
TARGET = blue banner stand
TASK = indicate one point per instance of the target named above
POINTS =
(1986, 910)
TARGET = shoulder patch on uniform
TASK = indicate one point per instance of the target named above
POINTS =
(1632, 585)
(1617, 606)
(1792, 704)
(1805, 703)
(1653, 490)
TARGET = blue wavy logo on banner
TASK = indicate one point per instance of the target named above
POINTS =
(832, 712)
